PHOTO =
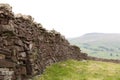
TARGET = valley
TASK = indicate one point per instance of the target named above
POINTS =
(99, 45)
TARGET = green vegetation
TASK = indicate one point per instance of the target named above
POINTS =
(105, 50)
(99, 45)
(81, 70)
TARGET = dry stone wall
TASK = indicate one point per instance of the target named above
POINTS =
(26, 48)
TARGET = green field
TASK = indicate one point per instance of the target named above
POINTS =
(101, 50)
(99, 45)
(81, 70)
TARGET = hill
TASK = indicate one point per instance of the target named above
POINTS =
(99, 44)
(81, 70)
(26, 48)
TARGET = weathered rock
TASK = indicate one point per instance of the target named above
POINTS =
(29, 46)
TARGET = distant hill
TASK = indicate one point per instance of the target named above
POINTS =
(101, 45)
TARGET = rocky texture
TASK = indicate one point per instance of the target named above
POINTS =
(103, 60)
(27, 48)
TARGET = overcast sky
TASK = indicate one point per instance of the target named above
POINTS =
(72, 18)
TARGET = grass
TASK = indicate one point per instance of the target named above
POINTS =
(81, 70)
(99, 45)
(109, 51)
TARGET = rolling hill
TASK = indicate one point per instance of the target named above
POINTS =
(102, 45)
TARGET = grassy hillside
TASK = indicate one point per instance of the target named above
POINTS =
(81, 70)
(99, 45)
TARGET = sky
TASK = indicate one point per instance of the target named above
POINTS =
(72, 18)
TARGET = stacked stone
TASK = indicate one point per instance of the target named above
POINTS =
(29, 46)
